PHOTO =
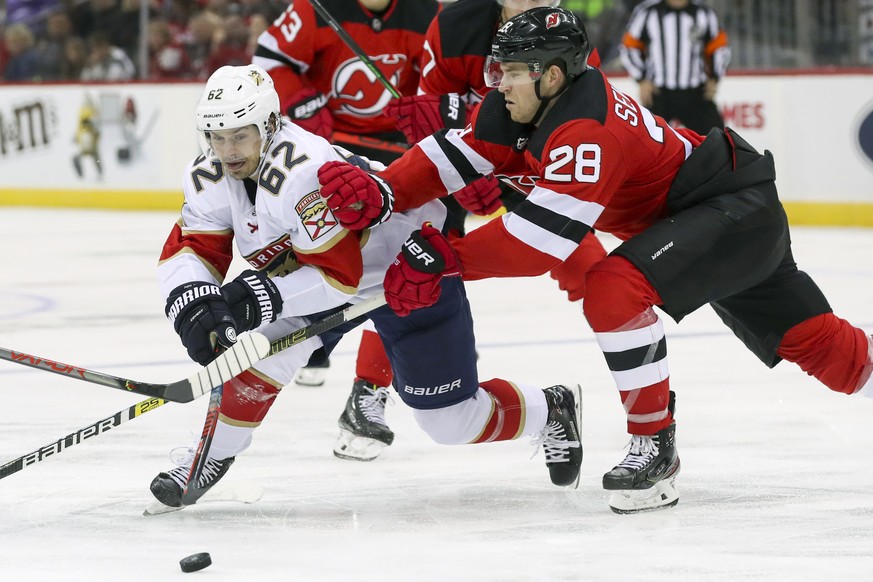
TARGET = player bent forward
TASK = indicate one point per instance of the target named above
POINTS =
(700, 219)
(256, 183)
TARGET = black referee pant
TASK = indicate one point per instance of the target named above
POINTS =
(688, 106)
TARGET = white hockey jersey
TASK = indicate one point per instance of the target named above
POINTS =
(280, 224)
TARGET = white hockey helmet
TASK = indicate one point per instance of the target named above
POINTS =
(237, 97)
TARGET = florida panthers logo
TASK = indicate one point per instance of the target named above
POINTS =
(359, 92)
(553, 19)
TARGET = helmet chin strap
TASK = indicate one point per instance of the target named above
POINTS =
(544, 101)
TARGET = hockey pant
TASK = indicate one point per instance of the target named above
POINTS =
(731, 251)
(432, 352)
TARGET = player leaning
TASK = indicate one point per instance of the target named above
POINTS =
(700, 221)
(256, 185)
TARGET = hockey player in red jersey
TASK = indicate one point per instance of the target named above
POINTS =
(700, 219)
(256, 186)
(323, 85)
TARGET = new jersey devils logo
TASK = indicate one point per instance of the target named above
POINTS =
(553, 19)
(358, 90)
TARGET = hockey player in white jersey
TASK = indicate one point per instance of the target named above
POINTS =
(256, 184)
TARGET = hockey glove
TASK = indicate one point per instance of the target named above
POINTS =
(253, 299)
(481, 196)
(202, 319)
(307, 108)
(418, 116)
(413, 280)
(358, 200)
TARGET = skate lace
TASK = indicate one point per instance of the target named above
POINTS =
(372, 403)
(556, 446)
(641, 452)
(182, 457)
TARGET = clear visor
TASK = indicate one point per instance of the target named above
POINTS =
(231, 145)
(509, 74)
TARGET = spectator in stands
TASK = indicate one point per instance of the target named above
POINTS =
(75, 59)
(167, 58)
(23, 63)
(107, 62)
(202, 34)
(232, 47)
(58, 30)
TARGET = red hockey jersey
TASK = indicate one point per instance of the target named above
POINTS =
(597, 160)
(301, 50)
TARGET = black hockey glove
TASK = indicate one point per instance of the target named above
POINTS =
(253, 299)
(202, 319)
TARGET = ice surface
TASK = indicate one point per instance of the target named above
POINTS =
(775, 485)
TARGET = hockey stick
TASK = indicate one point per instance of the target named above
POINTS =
(348, 139)
(354, 46)
(74, 438)
(245, 353)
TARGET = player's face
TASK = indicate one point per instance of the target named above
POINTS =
(517, 85)
(239, 150)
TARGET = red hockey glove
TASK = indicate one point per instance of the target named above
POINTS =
(307, 109)
(418, 116)
(413, 280)
(358, 200)
(480, 197)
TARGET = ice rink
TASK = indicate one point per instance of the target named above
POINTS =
(776, 483)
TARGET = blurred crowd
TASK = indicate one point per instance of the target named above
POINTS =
(98, 40)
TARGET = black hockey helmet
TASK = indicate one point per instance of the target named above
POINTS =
(540, 37)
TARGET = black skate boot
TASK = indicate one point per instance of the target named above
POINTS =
(363, 431)
(167, 487)
(646, 478)
(560, 438)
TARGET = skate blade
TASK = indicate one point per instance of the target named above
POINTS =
(661, 495)
(351, 447)
(239, 491)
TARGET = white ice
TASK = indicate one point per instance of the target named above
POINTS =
(776, 470)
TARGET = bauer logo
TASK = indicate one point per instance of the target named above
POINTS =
(864, 135)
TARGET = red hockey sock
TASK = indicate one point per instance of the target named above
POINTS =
(570, 274)
(247, 398)
(831, 350)
(507, 414)
(373, 365)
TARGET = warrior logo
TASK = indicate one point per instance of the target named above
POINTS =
(553, 19)
(315, 215)
(358, 92)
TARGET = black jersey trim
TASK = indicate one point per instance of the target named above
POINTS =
(266, 53)
(636, 357)
(558, 224)
(456, 158)
(585, 98)
(494, 125)
(461, 28)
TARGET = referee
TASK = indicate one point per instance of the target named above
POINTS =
(677, 51)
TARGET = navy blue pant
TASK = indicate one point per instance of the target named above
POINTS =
(432, 350)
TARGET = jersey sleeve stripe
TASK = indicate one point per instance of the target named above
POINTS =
(573, 209)
(545, 230)
(457, 163)
(269, 57)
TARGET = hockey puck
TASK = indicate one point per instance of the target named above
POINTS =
(195, 562)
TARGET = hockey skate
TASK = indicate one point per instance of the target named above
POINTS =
(168, 487)
(363, 430)
(560, 437)
(312, 376)
(646, 478)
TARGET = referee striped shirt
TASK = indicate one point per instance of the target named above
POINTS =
(675, 48)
